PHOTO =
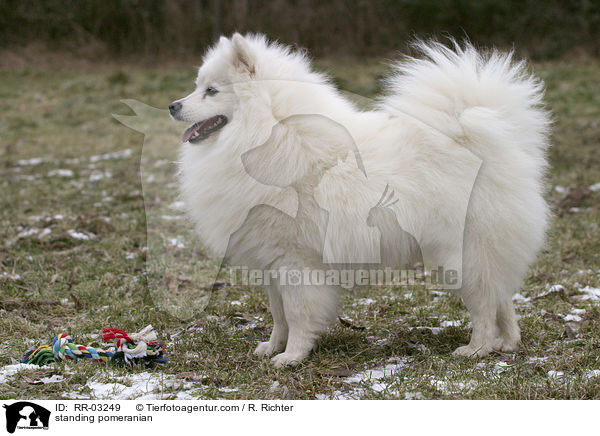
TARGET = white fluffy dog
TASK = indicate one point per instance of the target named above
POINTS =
(460, 139)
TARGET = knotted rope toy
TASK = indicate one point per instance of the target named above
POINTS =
(142, 347)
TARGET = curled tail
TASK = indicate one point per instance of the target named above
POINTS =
(483, 101)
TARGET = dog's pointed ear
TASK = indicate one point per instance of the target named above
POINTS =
(244, 57)
(223, 40)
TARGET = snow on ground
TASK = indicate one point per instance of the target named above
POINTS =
(176, 242)
(9, 371)
(385, 378)
(10, 276)
(434, 330)
(519, 298)
(61, 173)
(100, 175)
(592, 294)
(114, 155)
(32, 161)
(377, 379)
(79, 235)
(141, 386)
(457, 323)
(53, 379)
(364, 302)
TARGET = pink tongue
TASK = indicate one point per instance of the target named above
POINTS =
(198, 126)
(189, 132)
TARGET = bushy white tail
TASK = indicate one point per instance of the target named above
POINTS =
(480, 100)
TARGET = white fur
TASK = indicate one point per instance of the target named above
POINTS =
(443, 115)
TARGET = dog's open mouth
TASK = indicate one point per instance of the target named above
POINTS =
(203, 129)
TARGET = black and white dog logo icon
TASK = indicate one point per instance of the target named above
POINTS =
(26, 415)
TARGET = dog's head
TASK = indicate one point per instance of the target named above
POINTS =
(244, 70)
(211, 105)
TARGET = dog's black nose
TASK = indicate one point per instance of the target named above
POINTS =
(174, 107)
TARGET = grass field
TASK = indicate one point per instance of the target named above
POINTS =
(74, 253)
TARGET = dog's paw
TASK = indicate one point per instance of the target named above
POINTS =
(286, 359)
(264, 349)
(472, 351)
(506, 345)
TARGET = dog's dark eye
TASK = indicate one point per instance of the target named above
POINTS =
(210, 91)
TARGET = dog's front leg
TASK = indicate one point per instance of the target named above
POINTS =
(279, 334)
(309, 310)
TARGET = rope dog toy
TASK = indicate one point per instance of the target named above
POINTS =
(142, 347)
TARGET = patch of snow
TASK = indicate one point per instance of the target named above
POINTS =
(10, 276)
(592, 373)
(537, 359)
(569, 318)
(456, 323)
(451, 387)
(434, 330)
(79, 235)
(373, 380)
(141, 386)
(61, 173)
(28, 232)
(592, 294)
(394, 366)
(560, 189)
(228, 389)
(44, 233)
(175, 242)
(114, 155)
(28, 177)
(413, 396)
(365, 301)
(595, 187)
(8, 371)
(274, 386)
(98, 175)
(555, 374)
(501, 367)
(518, 298)
(54, 379)
(235, 303)
(32, 161)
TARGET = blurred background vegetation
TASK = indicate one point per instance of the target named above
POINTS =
(174, 29)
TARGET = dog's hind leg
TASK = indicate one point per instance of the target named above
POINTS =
(309, 310)
(509, 334)
(480, 301)
(279, 334)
